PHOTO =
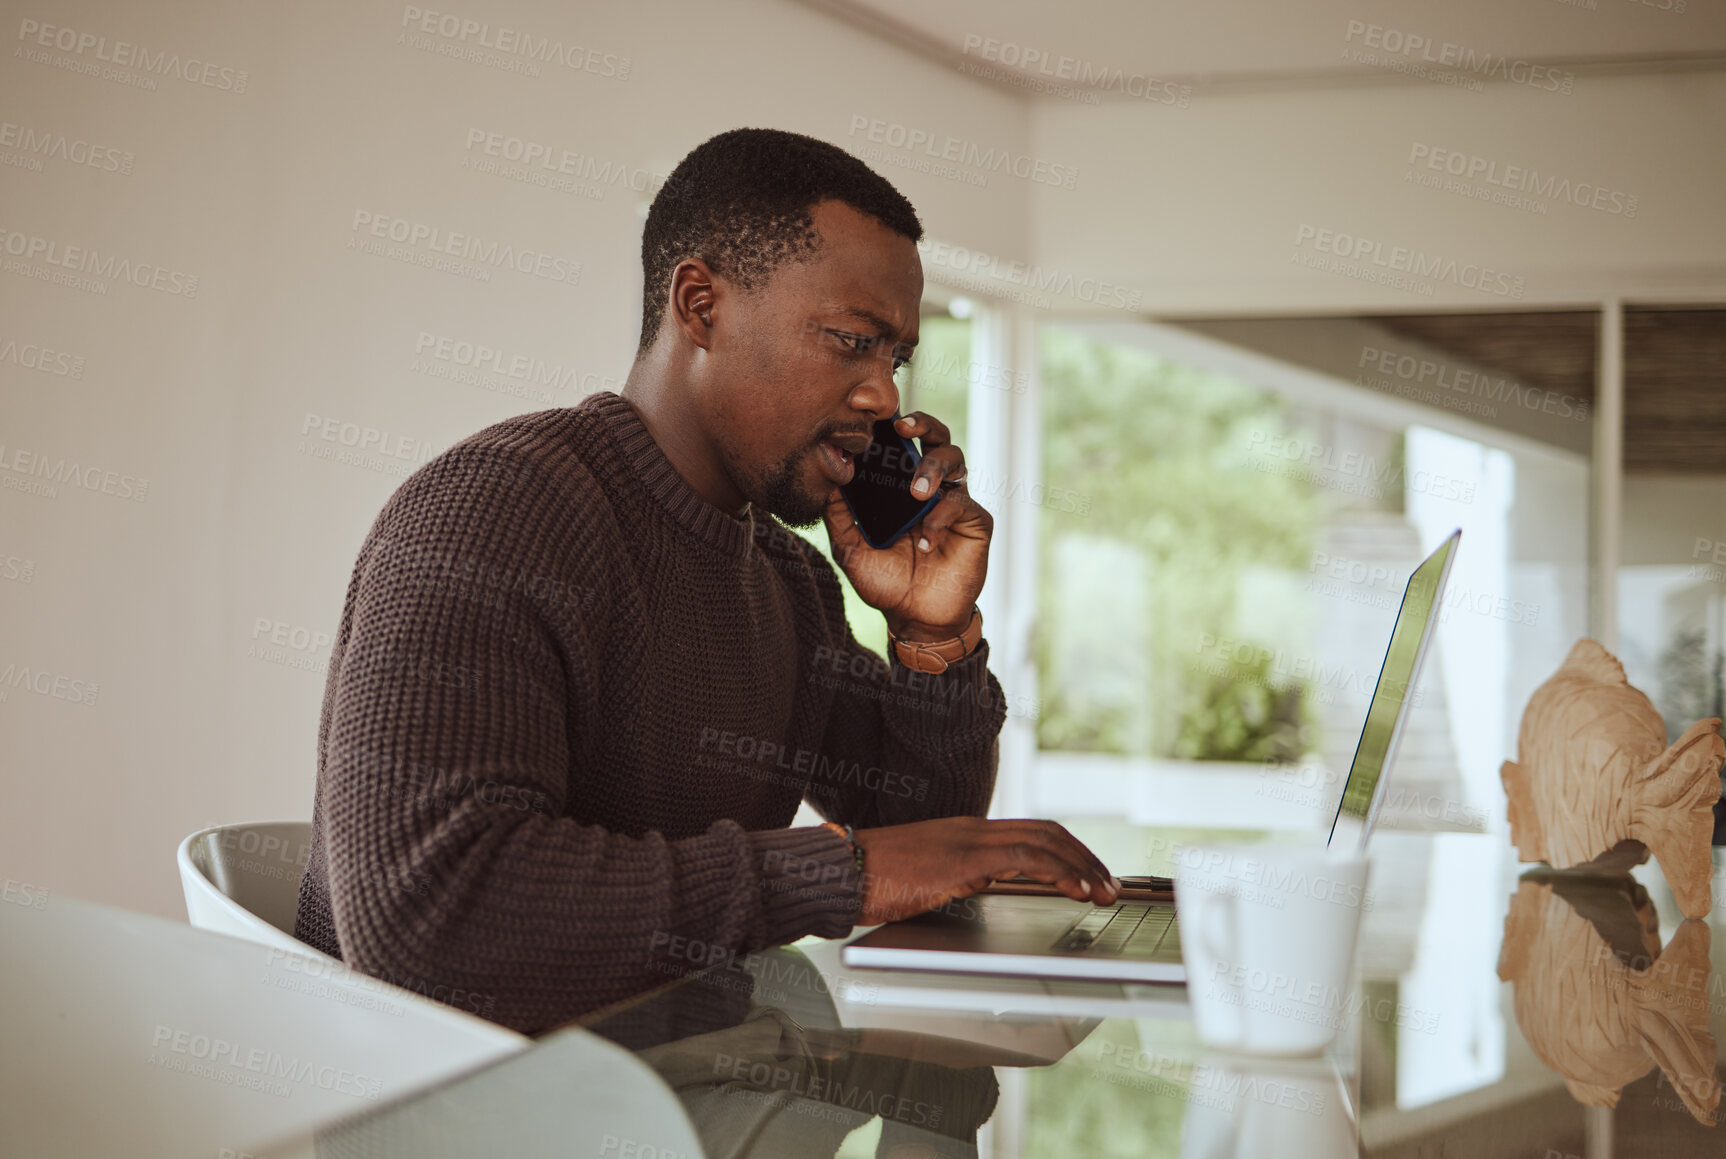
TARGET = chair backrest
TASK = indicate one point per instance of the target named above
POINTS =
(244, 880)
(126, 1034)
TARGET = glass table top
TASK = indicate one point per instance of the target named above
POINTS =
(1498, 1009)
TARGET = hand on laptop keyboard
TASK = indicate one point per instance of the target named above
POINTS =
(910, 869)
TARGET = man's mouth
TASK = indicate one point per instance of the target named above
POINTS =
(839, 455)
(838, 463)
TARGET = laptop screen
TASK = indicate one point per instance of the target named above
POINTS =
(1391, 697)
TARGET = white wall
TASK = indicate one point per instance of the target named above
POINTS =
(1200, 208)
(155, 601)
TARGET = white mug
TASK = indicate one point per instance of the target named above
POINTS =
(1267, 935)
(1243, 1108)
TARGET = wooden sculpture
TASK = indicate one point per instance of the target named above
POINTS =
(1594, 776)
(1599, 1001)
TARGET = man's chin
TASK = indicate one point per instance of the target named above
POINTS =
(795, 510)
(792, 504)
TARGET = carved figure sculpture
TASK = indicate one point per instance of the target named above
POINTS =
(1595, 776)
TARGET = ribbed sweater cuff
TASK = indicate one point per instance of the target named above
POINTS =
(809, 884)
(959, 708)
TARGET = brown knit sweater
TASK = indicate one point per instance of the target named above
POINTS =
(571, 710)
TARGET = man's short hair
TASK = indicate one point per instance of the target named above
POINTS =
(741, 202)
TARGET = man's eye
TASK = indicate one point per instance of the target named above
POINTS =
(861, 343)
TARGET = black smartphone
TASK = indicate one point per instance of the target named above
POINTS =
(879, 493)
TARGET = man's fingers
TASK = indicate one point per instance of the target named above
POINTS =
(1055, 838)
(841, 524)
(937, 467)
(1028, 859)
(919, 425)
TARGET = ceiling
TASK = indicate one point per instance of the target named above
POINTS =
(1228, 44)
(1675, 359)
(1674, 372)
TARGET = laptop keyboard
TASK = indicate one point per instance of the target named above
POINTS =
(1135, 928)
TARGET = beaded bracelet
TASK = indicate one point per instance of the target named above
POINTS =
(846, 831)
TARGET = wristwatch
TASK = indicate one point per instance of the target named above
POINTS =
(934, 658)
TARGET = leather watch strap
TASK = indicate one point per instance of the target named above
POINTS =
(934, 658)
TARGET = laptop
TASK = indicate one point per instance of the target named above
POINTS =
(1024, 929)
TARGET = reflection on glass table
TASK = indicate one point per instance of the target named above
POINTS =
(1599, 998)
(1591, 1044)
(782, 1053)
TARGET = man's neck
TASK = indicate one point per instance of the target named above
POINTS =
(661, 402)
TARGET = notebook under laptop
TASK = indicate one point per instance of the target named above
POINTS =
(1138, 939)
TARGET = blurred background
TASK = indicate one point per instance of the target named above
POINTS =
(1237, 310)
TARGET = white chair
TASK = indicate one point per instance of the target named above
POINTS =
(244, 880)
(126, 1034)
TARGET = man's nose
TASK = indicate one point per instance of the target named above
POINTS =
(878, 395)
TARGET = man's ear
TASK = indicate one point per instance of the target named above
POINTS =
(693, 297)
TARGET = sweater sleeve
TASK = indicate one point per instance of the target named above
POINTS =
(902, 745)
(453, 867)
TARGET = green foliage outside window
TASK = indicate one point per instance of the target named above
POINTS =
(1152, 456)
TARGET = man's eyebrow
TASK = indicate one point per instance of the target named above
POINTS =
(881, 324)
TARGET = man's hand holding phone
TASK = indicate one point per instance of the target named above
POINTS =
(926, 581)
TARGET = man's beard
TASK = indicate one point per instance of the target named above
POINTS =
(784, 496)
